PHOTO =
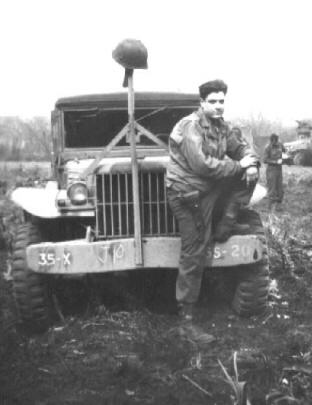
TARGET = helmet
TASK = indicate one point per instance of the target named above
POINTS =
(131, 54)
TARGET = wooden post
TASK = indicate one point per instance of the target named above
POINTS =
(135, 175)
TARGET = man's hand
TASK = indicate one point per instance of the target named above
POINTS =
(279, 161)
(248, 161)
(252, 175)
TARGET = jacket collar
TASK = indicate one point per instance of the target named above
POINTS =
(207, 122)
(203, 121)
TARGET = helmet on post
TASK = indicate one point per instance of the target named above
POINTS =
(131, 54)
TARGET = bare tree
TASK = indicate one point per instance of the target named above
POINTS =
(25, 139)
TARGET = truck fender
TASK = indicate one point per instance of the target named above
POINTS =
(39, 202)
(258, 194)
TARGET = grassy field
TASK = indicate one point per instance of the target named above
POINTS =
(122, 347)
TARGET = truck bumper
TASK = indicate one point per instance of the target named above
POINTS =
(82, 256)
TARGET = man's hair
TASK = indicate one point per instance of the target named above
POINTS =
(237, 132)
(237, 129)
(273, 136)
(213, 86)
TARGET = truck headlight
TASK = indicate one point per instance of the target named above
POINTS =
(78, 193)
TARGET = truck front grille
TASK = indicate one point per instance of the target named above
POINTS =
(114, 206)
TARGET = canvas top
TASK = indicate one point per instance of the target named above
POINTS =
(120, 100)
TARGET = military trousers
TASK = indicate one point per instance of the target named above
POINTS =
(195, 242)
(274, 177)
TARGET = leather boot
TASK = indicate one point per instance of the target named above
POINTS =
(188, 330)
(229, 225)
(195, 334)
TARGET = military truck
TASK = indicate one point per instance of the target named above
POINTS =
(82, 221)
(299, 152)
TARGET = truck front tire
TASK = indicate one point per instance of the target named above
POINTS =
(29, 288)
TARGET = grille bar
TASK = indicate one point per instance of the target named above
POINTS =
(158, 206)
(115, 211)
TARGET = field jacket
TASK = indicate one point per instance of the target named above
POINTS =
(203, 151)
(272, 153)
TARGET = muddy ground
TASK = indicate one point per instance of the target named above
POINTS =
(121, 346)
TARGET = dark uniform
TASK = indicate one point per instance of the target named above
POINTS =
(274, 175)
(203, 171)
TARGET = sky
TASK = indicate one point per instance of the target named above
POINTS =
(58, 48)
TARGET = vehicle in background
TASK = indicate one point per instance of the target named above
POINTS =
(299, 152)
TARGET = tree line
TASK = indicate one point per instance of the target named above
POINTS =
(257, 130)
(25, 139)
(30, 139)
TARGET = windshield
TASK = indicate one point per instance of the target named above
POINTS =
(96, 128)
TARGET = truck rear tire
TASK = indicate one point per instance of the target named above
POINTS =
(252, 282)
(29, 288)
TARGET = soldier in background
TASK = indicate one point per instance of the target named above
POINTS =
(239, 135)
(273, 153)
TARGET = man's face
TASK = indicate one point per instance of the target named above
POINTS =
(237, 133)
(274, 140)
(213, 105)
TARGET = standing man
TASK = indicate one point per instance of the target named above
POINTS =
(239, 135)
(274, 175)
(208, 167)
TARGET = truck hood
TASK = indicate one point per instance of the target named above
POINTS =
(121, 165)
(75, 168)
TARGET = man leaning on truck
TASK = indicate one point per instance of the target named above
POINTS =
(206, 161)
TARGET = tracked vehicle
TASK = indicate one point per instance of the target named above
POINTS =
(90, 218)
(299, 152)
